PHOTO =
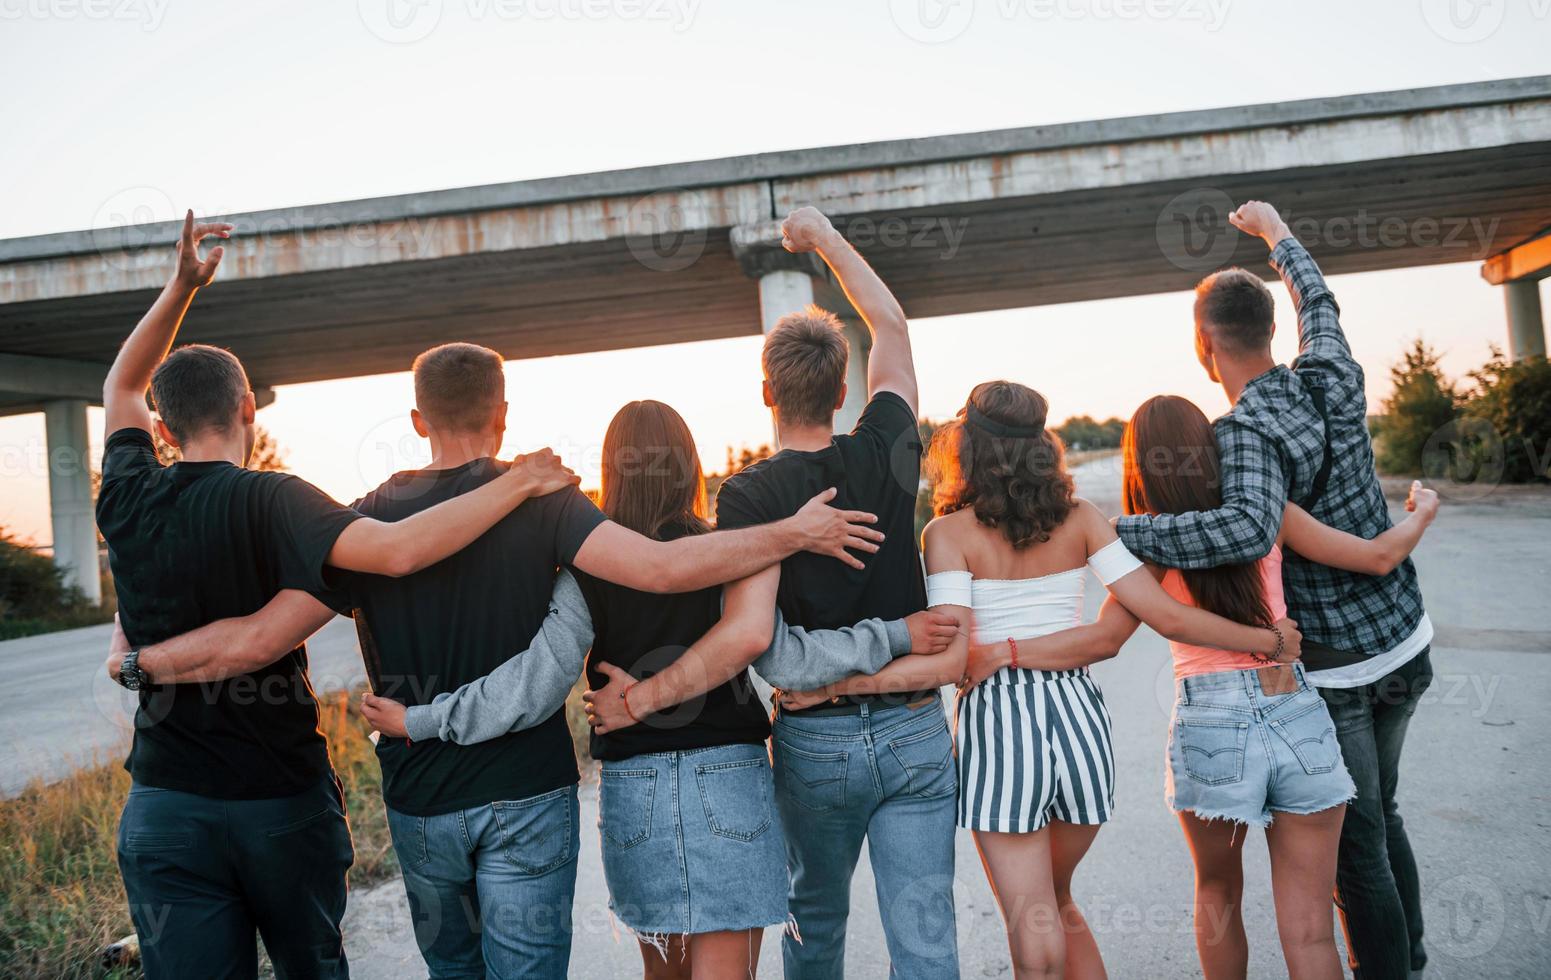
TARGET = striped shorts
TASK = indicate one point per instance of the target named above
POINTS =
(1034, 746)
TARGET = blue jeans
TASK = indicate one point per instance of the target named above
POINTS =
(1378, 892)
(203, 874)
(491, 887)
(885, 775)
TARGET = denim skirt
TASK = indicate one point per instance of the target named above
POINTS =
(1237, 753)
(692, 841)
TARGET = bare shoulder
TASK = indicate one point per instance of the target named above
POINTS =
(1089, 514)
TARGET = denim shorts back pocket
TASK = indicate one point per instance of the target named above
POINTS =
(408, 834)
(1311, 734)
(736, 797)
(816, 780)
(1212, 750)
(537, 834)
(925, 757)
(625, 801)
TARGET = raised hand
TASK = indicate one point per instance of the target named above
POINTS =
(804, 230)
(192, 271)
(825, 530)
(384, 714)
(1292, 641)
(931, 632)
(542, 472)
(1422, 501)
(608, 709)
(1261, 220)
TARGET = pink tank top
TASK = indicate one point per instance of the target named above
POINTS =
(1189, 660)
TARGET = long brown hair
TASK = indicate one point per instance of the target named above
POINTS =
(1172, 467)
(1007, 466)
(651, 471)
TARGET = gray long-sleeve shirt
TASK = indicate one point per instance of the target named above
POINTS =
(533, 684)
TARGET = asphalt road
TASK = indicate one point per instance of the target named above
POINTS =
(1474, 786)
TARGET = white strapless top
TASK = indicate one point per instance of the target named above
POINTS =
(1028, 607)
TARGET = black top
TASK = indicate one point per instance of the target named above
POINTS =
(455, 622)
(876, 468)
(643, 633)
(190, 544)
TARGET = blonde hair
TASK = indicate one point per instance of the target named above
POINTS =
(805, 363)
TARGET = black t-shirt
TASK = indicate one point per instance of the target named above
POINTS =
(876, 468)
(455, 622)
(190, 544)
(643, 633)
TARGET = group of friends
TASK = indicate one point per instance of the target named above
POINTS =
(1260, 546)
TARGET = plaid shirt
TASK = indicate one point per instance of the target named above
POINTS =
(1272, 446)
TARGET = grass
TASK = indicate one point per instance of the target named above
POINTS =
(61, 899)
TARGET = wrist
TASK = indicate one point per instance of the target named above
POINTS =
(1278, 235)
(624, 698)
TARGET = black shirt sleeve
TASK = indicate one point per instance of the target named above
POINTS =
(303, 523)
(574, 517)
(128, 451)
(887, 418)
(734, 509)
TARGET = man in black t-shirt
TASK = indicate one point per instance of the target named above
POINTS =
(235, 822)
(872, 767)
(489, 827)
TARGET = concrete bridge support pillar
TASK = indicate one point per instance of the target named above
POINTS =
(70, 494)
(1526, 326)
(786, 291)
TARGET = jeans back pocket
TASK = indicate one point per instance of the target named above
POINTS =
(1212, 751)
(1311, 734)
(736, 797)
(924, 757)
(816, 780)
(625, 799)
(537, 833)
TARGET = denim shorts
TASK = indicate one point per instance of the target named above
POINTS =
(1239, 754)
(692, 841)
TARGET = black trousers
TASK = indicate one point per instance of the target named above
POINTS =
(1378, 891)
(203, 876)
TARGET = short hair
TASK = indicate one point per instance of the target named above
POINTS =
(198, 387)
(805, 363)
(458, 387)
(1237, 308)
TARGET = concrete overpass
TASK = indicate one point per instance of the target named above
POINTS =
(957, 224)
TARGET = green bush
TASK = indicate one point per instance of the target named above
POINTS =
(34, 597)
(1423, 402)
(1515, 401)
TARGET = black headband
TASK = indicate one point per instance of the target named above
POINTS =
(979, 420)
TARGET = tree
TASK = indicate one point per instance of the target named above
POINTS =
(267, 454)
(1423, 402)
(1083, 432)
(1514, 400)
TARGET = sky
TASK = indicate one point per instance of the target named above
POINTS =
(152, 106)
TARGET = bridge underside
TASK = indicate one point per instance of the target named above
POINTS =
(955, 224)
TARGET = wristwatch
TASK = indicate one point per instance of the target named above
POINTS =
(129, 673)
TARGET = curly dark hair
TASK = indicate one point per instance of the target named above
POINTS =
(1016, 483)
